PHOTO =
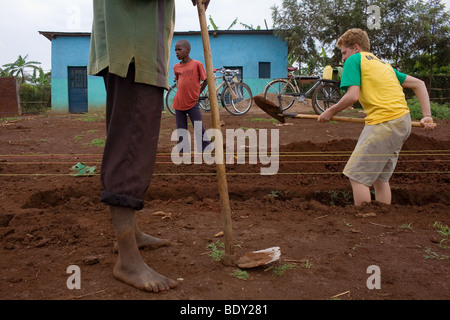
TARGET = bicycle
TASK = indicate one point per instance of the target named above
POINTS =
(236, 96)
(326, 95)
(284, 91)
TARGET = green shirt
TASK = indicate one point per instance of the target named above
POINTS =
(133, 30)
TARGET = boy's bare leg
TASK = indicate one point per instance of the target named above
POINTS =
(130, 267)
(361, 193)
(383, 192)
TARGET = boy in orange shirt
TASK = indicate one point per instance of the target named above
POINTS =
(189, 73)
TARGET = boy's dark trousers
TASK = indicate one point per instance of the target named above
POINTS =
(133, 118)
(196, 116)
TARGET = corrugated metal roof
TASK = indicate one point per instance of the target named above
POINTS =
(50, 35)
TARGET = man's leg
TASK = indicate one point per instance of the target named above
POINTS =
(133, 121)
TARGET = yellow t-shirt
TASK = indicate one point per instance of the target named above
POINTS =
(381, 93)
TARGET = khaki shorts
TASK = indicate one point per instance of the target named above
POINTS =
(376, 153)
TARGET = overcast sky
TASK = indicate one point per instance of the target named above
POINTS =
(21, 21)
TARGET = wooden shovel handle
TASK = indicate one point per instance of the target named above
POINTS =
(345, 119)
(341, 119)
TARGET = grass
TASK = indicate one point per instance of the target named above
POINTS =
(95, 143)
(98, 142)
(280, 270)
(89, 117)
(276, 193)
(263, 120)
(217, 251)
(334, 197)
(9, 119)
(433, 255)
(240, 274)
(407, 226)
(307, 264)
(77, 137)
(437, 111)
(442, 229)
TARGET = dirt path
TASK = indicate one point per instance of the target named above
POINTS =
(50, 220)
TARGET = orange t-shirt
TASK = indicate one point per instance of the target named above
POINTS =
(188, 78)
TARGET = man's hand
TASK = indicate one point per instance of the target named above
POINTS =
(205, 3)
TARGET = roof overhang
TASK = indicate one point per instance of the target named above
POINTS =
(51, 35)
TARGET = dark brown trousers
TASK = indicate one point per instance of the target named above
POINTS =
(133, 118)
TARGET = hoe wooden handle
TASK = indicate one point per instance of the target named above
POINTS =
(229, 258)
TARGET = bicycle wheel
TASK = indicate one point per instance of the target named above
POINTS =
(237, 98)
(325, 96)
(203, 101)
(170, 95)
(281, 92)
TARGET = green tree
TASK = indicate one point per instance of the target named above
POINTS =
(41, 78)
(216, 27)
(3, 73)
(292, 24)
(251, 27)
(409, 28)
(18, 67)
(433, 38)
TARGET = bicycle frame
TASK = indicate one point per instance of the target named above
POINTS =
(298, 91)
(226, 81)
(230, 86)
(284, 91)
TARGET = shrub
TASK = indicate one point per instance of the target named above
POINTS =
(437, 111)
(34, 98)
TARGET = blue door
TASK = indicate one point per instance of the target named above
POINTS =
(78, 98)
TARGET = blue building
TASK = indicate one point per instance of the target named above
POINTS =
(259, 55)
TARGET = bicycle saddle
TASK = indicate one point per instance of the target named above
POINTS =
(292, 68)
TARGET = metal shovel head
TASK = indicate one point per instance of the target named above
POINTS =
(270, 108)
(259, 258)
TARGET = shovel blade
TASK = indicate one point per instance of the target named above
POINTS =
(270, 108)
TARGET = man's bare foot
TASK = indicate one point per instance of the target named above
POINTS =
(141, 276)
(147, 241)
(130, 267)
